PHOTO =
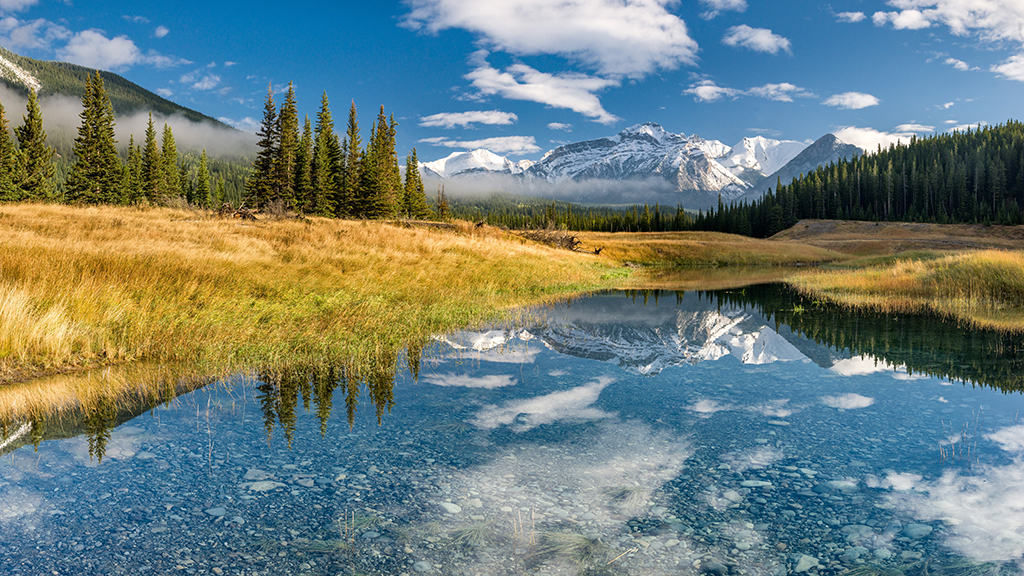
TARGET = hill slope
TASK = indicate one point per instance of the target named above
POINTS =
(63, 78)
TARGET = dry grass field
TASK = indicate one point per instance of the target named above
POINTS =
(886, 238)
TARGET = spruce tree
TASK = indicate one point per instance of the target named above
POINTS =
(37, 168)
(152, 167)
(259, 187)
(96, 177)
(185, 184)
(220, 195)
(414, 201)
(202, 193)
(287, 150)
(350, 162)
(134, 191)
(303, 161)
(9, 165)
(321, 178)
(169, 164)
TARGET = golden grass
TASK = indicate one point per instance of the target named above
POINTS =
(981, 288)
(99, 285)
(683, 250)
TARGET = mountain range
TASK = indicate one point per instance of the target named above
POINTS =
(646, 163)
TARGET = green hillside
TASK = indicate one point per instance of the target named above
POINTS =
(69, 80)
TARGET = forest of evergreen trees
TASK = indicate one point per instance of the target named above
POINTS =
(975, 176)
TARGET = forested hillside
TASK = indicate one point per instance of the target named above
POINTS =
(975, 176)
(69, 80)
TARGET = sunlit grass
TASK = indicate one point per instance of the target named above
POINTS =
(92, 286)
(984, 288)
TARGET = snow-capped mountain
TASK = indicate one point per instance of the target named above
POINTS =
(473, 162)
(647, 339)
(665, 166)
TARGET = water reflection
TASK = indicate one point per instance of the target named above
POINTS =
(699, 433)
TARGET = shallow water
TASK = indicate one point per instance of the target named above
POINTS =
(616, 435)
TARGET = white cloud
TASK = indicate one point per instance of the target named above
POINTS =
(947, 106)
(165, 92)
(958, 64)
(716, 7)
(507, 144)
(566, 90)
(850, 16)
(38, 34)
(93, 49)
(1012, 68)
(783, 92)
(611, 36)
(852, 100)
(161, 31)
(465, 119)
(247, 124)
(560, 126)
(521, 415)
(757, 39)
(136, 19)
(847, 401)
(489, 382)
(208, 82)
(708, 91)
(870, 139)
(917, 128)
(229, 64)
(905, 20)
(16, 5)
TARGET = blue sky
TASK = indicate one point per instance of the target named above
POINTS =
(520, 77)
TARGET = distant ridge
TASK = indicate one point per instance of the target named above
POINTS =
(63, 78)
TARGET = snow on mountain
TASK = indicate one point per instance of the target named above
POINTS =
(15, 73)
(689, 168)
(473, 161)
(645, 340)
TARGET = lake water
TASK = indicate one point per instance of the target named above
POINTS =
(734, 432)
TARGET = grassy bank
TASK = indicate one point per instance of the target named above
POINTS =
(90, 286)
(981, 288)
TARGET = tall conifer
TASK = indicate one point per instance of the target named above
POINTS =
(37, 168)
(169, 164)
(321, 178)
(9, 165)
(259, 188)
(152, 167)
(287, 150)
(414, 201)
(303, 159)
(351, 163)
(203, 197)
(96, 177)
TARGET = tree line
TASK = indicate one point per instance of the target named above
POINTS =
(521, 213)
(319, 173)
(975, 177)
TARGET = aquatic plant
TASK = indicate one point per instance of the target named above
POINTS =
(472, 536)
(628, 497)
(584, 552)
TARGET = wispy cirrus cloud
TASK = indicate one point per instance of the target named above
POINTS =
(716, 7)
(756, 39)
(708, 91)
(467, 119)
(567, 90)
(516, 145)
(851, 100)
(610, 37)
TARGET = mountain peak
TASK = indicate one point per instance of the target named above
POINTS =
(647, 129)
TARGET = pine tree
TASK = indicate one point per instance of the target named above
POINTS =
(259, 188)
(96, 176)
(9, 165)
(202, 192)
(169, 164)
(220, 195)
(37, 168)
(152, 167)
(380, 184)
(287, 150)
(134, 191)
(414, 201)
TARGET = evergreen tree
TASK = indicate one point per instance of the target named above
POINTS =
(287, 150)
(185, 185)
(152, 167)
(443, 211)
(351, 163)
(259, 187)
(134, 190)
(9, 165)
(414, 201)
(303, 160)
(37, 168)
(220, 194)
(202, 192)
(380, 185)
(321, 176)
(96, 176)
(169, 164)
